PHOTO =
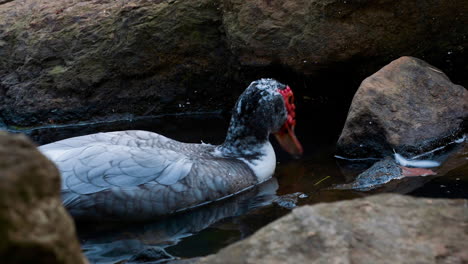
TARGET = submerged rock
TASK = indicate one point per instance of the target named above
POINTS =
(385, 228)
(34, 226)
(408, 106)
(381, 173)
(150, 255)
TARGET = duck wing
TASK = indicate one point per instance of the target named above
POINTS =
(99, 162)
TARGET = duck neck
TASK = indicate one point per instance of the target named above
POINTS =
(244, 140)
(250, 145)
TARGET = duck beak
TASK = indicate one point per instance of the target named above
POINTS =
(288, 141)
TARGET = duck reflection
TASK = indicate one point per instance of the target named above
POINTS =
(148, 241)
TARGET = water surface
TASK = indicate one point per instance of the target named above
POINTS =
(207, 229)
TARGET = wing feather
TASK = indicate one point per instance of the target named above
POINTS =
(175, 171)
(92, 164)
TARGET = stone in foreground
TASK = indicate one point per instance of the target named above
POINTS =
(34, 226)
(385, 228)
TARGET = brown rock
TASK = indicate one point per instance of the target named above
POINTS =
(385, 228)
(306, 35)
(71, 60)
(34, 226)
(409, 106)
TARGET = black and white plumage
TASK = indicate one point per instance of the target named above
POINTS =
(140, 175)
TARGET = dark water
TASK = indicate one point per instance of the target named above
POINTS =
(207, 229)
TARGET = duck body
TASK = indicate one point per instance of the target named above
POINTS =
(139, 175)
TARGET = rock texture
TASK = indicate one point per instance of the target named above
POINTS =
(379, 229)
(381, 173)
(69, 60)
(409, 106)
(34, 226)
(306, 35)
(74, 60)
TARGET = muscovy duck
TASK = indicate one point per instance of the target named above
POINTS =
(138, 174)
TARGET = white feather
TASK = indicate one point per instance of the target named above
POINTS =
(264, 167)
(415, 163)
(175, 171)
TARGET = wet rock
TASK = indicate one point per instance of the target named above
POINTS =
(456, 159)
(378, 174)
(381, 173)
(409, 106)
(34, 226)
(289, 201)
(150, 255)
(71, 60)
(185, 261)
(385, 228)
(306, 35)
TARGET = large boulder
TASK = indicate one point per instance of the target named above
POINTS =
(306, 35)
(385, 228)
(34, 226)
(408, 106)
(72, 60)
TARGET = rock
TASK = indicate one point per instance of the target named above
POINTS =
(381, 173)
(456, 160)
(385, 228)
(307, 35)
(72, 60)
(69, 60)
(185, 261)
(34, 226)
(289, 201)
(151, 255)
(408, 106)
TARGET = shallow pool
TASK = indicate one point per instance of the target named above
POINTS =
(207, 229)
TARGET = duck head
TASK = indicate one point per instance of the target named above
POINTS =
(265, 107)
